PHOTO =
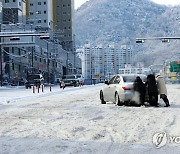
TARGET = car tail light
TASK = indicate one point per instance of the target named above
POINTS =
(127, 88)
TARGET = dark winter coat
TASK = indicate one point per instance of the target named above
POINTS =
(151, 84)
(139, 86)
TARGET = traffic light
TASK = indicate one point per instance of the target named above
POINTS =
(14, 38)
(45, 37)
(165, 40)
(139, 41)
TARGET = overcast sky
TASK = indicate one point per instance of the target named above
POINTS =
(166, 2)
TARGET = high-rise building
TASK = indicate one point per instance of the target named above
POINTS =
(63, 16)
(126, 56)
(56, 15)
(13, 11)
(103, 61)
(39, 13)
(0, 12)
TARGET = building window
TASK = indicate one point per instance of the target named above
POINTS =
(31, 4)
(64, 5)
(19, 3)
(44, 12)
(14, 0)
(44, 3)
(19, 68)
(6, 1)
(12, 49)
(13, 66)
(39, 21)
(45, 21)
(39, 3)
(19, 51)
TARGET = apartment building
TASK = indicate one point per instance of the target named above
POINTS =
(103, 61)
(63, 16)
(39, 13)
(56, 15)
(13, 11)
(0, 12)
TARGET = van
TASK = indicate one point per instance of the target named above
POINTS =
(34, 80)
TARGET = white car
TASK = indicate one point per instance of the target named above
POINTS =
(119, 89)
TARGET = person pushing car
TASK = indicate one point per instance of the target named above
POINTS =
(162, 91)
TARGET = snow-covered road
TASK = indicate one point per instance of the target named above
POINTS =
(74, 121)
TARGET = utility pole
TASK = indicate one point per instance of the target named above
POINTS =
(48, 60)
(67, 63)
(32, 54)
(1, 58)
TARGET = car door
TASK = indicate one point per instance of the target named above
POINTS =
(116, 85)
(110, 90)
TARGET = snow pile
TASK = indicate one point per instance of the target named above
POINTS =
(74, 121)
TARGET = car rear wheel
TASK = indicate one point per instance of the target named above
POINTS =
(102, 98)
(117, 100)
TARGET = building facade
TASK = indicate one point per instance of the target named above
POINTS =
(1, 12)
(39, 13)
(30, 54)
(56, 15)
(100, 62)
(63, 17)
(13, 11)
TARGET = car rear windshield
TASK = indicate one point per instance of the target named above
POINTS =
(69, 77)
(132, 78)
(33, 77)
(78, 76)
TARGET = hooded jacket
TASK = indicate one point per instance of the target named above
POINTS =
(139, 86)
(161, 85)
(151, 84)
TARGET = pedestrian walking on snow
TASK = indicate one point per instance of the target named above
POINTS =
(62, 84)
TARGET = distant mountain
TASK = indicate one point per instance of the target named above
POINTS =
(122, 21)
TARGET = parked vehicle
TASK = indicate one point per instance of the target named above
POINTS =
(119, 89)
(71, 80)
(34, 80)
(80, 78)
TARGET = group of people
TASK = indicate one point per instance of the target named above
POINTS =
(155, 86)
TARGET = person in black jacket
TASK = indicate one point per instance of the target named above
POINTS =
(152, 90)
(139, 87)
